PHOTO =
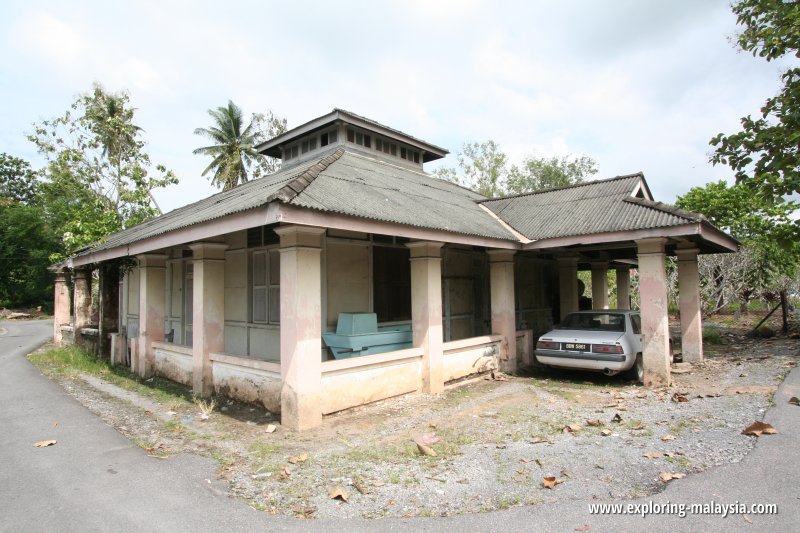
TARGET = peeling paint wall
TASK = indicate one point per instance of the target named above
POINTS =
(173, 365)
(249, 385)
(459, 364)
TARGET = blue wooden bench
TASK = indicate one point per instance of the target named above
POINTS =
(359, 334)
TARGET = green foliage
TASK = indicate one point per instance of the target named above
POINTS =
(234, 148)
(98, 178)
(483, 167)
(764, 227)
(26, 240)
(538, 173)
(765, 154)
(17, 180)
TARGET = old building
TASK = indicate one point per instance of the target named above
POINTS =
(232, 294)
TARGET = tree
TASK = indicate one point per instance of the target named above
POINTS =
(234, 148)
(483, 167)
(26, 240)
(538, 173)
(769, 255)
(98, 178)
(765, 154)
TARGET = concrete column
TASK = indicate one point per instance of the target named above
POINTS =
(61, 311)
(82, 300)
(301, 326)
(623, 288)
(426, 311)
(655, 318)
(208, 311)
(152, 296)
(568, 284)
(599, 284)
(691, 305)
(504, 319)
(109, 307)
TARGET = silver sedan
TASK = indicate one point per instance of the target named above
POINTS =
(600, 341)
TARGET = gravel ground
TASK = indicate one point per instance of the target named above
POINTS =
(498, 439)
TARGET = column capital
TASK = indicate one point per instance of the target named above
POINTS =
(567, 260)
(151, 260)
(653, 245)
(425, 249)
(80, 273)
(302, 236)
(208, 250)
(599, 264)
(501, 256)
(687, 253)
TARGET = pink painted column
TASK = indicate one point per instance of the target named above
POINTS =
(623, 288)
(504, 319)
(691, 304)
(426, 311)
(599, 285)
(568, 284)
(208, 310)
(654, 310)
(82, 300)
(61, 311)
(152, 296)
(301, 326)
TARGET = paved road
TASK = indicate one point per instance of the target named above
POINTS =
(94, 479)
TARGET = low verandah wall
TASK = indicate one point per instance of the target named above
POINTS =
(475, 355)
(247, 380)
(369, 378)
(173, 361)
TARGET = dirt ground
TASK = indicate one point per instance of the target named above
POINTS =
(495, 441)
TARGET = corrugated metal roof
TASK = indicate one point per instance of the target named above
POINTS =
(369, 188)
(593, 207)
(339, 182)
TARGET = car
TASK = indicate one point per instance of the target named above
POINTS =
(607, 341)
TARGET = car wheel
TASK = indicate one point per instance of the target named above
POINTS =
(636, 372)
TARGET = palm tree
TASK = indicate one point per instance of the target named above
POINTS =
(233, 149)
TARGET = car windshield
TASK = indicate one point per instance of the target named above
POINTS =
(594, 322)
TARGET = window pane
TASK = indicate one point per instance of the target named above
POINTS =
(351, 135)
(275, 305)
(294, 151)
(333, 136)
(274, 267)
(394, 149)
(323, 139)
(403, 153)
(359, 138)
(416, 157)
(312, 144)
(259, 269)
(367, 141)
(304, 147)
(260, 305)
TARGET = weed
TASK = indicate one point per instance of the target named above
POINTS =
(711, 335)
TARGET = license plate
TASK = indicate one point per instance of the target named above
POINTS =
(575, 346)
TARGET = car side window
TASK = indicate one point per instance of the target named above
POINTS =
(636, 324)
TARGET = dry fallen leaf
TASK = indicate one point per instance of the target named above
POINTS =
(361, 487)
(337, 492)
(653, 455)
(551, 481)
(637, 427)
(302, 458)
(378, 484)
(596, 422)
(585, 527)
(747, 519)
(679, 397)
(668, 476)
(617, 418)
(794, 400)
(285, 473)
(605, 432)
(44, 443)
(428, 439)
(426, 450)
(538, 440)
(501, 446)
(271, 428)
(759, 428)
(665, 438)
(572, 428)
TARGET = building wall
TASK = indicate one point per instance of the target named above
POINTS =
(535, 290)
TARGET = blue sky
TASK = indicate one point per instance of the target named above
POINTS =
(638, 85)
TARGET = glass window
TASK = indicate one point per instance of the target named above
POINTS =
(304, 147)
(312, 143)
(391, 283)
(266, 277)
(393, 149)
(323, 139)
(359, 138)
(294, 151)
(367, 141)
(403, 152)
(593, 322)
(416, 157)
(636, 324)
(351, 135)
(332, 136)
(378, 144)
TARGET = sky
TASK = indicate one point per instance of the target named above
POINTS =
(638, 85)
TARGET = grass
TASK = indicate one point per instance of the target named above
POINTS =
(711, 335)
(72, 361)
